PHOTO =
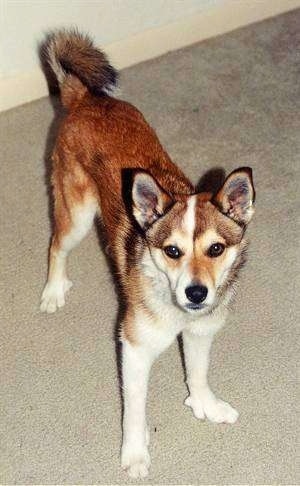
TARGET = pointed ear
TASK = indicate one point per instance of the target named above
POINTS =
(150, 201)
(236, 196)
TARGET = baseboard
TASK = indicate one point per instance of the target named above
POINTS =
(222, 18)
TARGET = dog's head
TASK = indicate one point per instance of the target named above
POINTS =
(197, 241)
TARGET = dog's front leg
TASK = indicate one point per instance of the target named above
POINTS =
(201, 399)
(136, 364)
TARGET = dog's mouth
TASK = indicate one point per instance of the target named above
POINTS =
(190, 307)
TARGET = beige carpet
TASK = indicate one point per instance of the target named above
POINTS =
(229, 101)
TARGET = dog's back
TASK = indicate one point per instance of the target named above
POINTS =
(100, 134)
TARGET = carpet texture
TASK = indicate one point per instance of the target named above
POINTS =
(226, 102)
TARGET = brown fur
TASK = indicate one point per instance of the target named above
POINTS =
(100, 139)
(97, 140)
(78, 65)
(116, 137)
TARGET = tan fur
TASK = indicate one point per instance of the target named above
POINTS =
(71, 185)
(135, 290)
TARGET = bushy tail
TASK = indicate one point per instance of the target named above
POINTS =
(72, 57)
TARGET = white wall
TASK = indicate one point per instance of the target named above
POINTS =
(130, 31)
(23, 23)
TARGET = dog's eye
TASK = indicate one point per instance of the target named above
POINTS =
(216, 250)
(172, 251)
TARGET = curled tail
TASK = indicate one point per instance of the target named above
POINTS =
(78, 65)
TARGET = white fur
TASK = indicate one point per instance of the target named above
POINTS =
(136, 363)
(201, 399)
(58, 284)
(153, 336)
(189, 219)
(231, 254)
(55, 65)
(53, 296)
(180, 277)
(165, 297)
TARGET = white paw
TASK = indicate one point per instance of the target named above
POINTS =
(53, 295)
(212, 408)
(135, 462)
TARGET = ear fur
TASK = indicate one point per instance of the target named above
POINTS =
(150, 201)
(237, 195)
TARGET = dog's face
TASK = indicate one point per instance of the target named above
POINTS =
(196, 241)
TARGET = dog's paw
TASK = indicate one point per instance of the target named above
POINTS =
(135, 462)
(53, 295)
(212, 408)
(221, 412)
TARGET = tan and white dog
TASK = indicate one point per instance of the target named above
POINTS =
(177, 253)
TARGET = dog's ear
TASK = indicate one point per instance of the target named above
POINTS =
(149, 200)
(236, 196)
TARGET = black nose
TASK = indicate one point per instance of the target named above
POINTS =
(196, 293)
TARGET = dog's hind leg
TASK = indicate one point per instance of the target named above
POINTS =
(75, 208)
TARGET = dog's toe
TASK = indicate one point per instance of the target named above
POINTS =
(138, 470)
(136, 464)
(222, 412)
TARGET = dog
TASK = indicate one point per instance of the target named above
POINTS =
(177, 253)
